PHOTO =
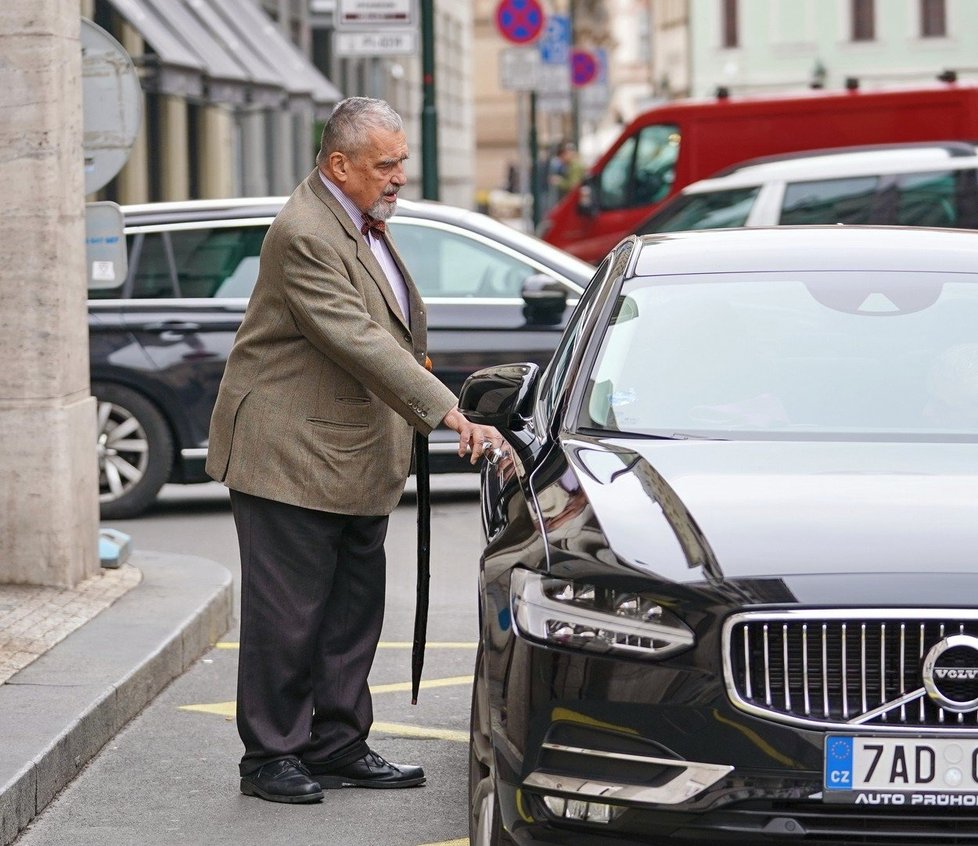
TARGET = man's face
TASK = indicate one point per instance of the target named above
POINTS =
(372, 177)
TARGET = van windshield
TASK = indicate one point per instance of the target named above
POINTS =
(643, 168)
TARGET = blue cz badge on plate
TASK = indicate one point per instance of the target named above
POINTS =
(838, 763)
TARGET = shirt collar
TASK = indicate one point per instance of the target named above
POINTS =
(348, 205)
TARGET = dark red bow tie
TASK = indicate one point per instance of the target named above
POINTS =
(372, 223)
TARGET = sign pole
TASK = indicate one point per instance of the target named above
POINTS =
(429, 111)
(534, 161)
(575, 102)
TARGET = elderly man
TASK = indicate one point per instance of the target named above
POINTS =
(313, 433)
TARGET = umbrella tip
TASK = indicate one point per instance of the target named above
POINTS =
(414, 700)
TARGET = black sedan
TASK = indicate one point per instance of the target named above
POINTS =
(159, 340)
(730, 585)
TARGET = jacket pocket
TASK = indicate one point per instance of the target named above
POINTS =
(338, 425)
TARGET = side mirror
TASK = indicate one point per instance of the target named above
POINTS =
(500, 396)
(587, 196)
(545, 300)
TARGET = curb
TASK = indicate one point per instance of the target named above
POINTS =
(58, 712)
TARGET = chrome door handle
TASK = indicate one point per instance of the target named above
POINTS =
(171, 331)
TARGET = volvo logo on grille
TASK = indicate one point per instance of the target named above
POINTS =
(950, 673)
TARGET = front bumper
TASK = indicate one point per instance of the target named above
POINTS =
(604, 751)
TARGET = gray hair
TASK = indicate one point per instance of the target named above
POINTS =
(345, 131)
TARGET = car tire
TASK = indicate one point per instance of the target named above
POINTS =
(485, 823)
(135, 451)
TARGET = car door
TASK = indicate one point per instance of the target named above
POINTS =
(187, 291)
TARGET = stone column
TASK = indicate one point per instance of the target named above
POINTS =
(132, 183)
(48, 470)
(175, 163)
(281, 146)
(215, 144)
(254, 158)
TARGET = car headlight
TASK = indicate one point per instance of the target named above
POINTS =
(579, 615)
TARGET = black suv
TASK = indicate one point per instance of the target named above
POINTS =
(158, 343)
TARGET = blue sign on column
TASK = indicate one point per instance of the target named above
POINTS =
(555, 43)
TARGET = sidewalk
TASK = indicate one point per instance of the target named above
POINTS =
(77, 665)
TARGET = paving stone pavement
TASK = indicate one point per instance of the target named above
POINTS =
(63, 695)
(33, 619)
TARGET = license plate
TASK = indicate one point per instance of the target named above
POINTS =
(866, 770)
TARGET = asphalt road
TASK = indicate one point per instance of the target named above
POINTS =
(170, 777)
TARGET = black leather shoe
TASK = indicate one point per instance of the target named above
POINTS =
(282, 781)
(369, 771)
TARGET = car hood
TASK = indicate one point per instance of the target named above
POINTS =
(726, 510)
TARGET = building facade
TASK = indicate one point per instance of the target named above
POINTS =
(782, 45)
(235, 94)
(398, 79)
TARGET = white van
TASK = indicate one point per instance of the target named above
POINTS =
(899, 184)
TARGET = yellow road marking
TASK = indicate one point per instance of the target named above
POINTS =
(386, 644)
(222, 709)
(226, 709)
(462, 841)
(404, 730)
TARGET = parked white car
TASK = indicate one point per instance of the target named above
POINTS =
(900, 184)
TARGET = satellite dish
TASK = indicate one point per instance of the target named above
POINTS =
(112, 102)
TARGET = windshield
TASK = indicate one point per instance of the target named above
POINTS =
(818, 354)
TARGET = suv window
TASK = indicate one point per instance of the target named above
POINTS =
(829, 201)
(945, 198)
(643, 168)
(714, 210)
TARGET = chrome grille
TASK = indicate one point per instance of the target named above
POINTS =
(834, 668)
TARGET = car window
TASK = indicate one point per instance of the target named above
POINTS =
(447, 263)
(208, 262)
(715, 210)
(847, 200)
(945, 198)
(655, 163)
(643, 168)
(554, 378)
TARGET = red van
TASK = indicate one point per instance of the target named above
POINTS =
(668, 147)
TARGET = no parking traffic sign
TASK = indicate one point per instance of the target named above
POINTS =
(519, 21)
(584, 67)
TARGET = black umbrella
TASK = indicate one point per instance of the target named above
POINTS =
(424, 562)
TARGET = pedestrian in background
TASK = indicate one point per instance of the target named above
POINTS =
(313, 434)
(566, 170)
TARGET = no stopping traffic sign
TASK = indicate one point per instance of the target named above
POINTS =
(519, 21)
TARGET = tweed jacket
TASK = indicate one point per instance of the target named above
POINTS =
(325, 379)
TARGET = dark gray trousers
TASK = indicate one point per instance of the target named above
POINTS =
(312, 606)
